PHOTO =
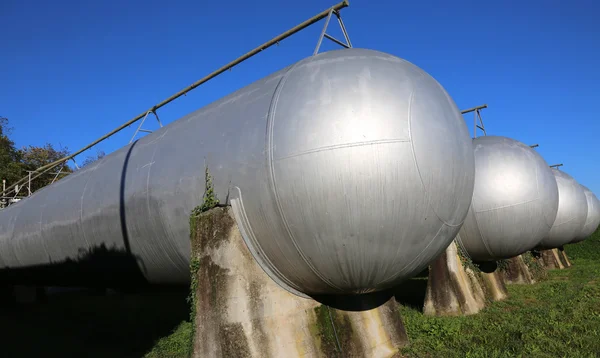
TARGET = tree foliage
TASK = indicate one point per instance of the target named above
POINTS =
(15, 163)
(11, 168)
(34, 157)
(92, 158)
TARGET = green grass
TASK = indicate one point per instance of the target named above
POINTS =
(558, 317)
(176, 345)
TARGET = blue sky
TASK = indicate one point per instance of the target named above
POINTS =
(71, 71)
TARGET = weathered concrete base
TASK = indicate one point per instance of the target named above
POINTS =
(453, 289)
(516, 271)
(564, 259)
(240, 312)
(377, 332)
(551, 259)
(495, 286)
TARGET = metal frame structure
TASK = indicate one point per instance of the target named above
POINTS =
(139, 128)
(334, 10)
(555, 166)
(477, 116)
(324, 33)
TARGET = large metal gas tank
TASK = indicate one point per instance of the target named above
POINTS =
(593, 215)
(572, 212)
(348, 172)
(515, 200)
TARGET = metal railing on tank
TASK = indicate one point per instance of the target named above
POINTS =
(478, 124)
(477, 121)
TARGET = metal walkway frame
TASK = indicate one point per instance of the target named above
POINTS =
(477, 116)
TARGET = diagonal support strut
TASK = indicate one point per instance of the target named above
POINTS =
(324, 33)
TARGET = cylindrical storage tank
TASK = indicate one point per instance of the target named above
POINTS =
(572, 212)
(593, 215)
(348, 172)
(515, 200)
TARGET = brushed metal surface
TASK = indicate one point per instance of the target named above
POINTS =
(572, 212)
(348, 171)
(593, 216)
(515, 200)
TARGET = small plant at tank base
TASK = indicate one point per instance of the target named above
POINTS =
(466, 260)
(191, 299)
(210, 199)
(534, 264)
(502, 265)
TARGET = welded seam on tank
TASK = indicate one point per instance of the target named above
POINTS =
(591, 208)
(252, 242)
(565, 222)
(417, 257)
(537, 180)
(272, 179)
(342, 145)
(483, 239)
(42, 207)
(414, 155)
(241, 219)
(81, 205)
(256, 250)
(537, 186)
(160, 242)
(10, 238)
(507, 206)
(459, 242)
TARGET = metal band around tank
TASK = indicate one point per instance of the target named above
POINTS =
(237, 204)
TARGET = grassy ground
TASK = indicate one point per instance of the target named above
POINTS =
(559, 317)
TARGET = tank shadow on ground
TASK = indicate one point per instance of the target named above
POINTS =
(355, 303)
(487, 266)
(99, 266)
(88, 324)
(411, 293)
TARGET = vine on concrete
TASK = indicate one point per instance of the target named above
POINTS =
(210, 199)
(502, 265)
(465, 259)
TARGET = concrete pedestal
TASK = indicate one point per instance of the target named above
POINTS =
(564, 259)
(240, 312)
(495, 285)
(551, 259)
(453, 289)
(517, 271)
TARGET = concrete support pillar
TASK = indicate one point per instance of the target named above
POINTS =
(551, 259)
(495, 285)
(241, 312)
(517, 271)
(564, 259)
(453, 289)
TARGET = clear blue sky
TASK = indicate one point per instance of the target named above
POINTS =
(70, 71)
